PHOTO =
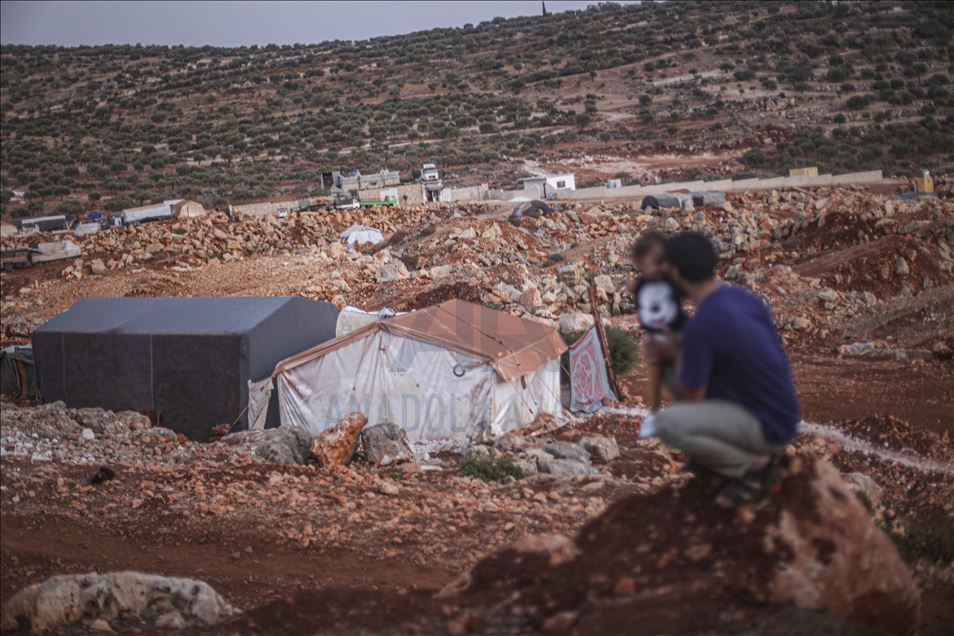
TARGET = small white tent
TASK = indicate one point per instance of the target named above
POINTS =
(361, 234)
(453, 371)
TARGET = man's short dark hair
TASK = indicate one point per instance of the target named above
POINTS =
(692, 255)
(646, 241)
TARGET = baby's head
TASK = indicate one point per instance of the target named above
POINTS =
(648, 254)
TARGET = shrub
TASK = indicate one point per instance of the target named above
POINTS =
(490, 469)
(927, 543)
(70, 207)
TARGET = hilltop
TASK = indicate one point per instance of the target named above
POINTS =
(639, 92)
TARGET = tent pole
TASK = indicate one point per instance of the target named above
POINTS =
(601, 334)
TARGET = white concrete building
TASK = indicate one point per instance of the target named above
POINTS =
(547, 186)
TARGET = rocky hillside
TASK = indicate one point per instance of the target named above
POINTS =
(756, 86)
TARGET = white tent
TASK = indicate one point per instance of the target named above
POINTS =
(361, 234)
(453, 371)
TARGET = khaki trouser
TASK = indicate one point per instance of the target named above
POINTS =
(718, 434)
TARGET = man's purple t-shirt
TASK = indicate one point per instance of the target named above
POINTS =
(731, 347)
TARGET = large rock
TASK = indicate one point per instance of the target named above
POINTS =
(531, 298)
(282, 445)
(565, 467)
(575, 322)
(837, 559)
(392, 270)
(130, 598)
(335, 446)
(566, 450)
(602, 448)
(810, 544)
(386, 444)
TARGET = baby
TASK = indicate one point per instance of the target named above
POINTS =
(658, 303)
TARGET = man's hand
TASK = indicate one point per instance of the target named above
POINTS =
(661, 350)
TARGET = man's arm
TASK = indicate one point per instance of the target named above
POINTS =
(694, 366)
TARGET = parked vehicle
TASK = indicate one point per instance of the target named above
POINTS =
(15, 258)
(45, 223)
(388, 202)
(429, 173)
(55, 251)
(345, 202)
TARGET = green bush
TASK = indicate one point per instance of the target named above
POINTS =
(490, 469)
(622, 347)
(926, 543)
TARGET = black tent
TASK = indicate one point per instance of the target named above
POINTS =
(187, 361)
(659, 201)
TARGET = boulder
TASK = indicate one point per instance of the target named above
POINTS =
(386, 444)
(837, 559)
(828, 295)
(560, 449)
(283, 445)
(531, 298)
(335, 446)
(492, 233)
(575, 322)
(810, 545)
(602, 448)
(97, 266)
(565, 467)
(131, 598)
(604, 284)
(391, 271)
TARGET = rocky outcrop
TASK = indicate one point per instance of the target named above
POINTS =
(335, 446)
(113, 600)
(834, 557)
(810, 545)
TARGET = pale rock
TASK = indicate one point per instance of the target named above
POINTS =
(391, 271)
(575, 322)
(531, 299)
(828, 295)
(65, 600)
(97, 266)
(566, 450)
(492, 233)
(901, 267)
(565, 467)
(605, 284)
(603, 448)
(385, 444)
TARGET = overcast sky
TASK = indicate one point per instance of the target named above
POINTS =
(235, 23)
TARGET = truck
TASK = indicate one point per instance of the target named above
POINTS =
(143, 214)
(45, 223)
(15, 258)
(429, 173)
(388, 202)
(345, 202)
